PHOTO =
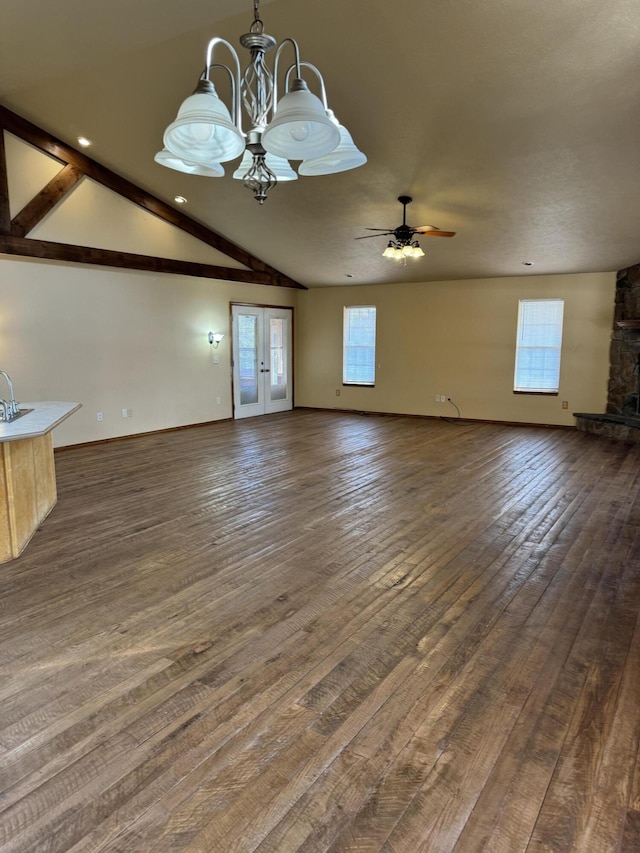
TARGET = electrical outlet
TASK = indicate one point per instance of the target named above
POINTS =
(565, 404)
(337, 392)
(99, 416)
(124, 413)
(437, 398)
(216, 359)
(218, 400)
(129, 413)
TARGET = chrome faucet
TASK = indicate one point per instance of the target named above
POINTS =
(11, 408)
(5, 410)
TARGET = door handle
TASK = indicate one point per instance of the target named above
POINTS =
(264, 371)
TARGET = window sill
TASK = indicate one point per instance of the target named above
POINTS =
(539, 393)
(358, 385)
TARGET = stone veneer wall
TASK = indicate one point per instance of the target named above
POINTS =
(625, 346)
(621, 421)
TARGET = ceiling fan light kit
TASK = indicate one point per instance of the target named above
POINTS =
(402, 244)
(297, 126)
(400, 253)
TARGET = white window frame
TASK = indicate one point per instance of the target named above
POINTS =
(347, 347)
(538, 346)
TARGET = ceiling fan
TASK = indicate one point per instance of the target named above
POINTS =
(403, 245)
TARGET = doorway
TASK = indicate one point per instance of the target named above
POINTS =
(262, 360)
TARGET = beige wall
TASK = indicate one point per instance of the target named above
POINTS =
(457, 338)
(117, 339)
(113, 339)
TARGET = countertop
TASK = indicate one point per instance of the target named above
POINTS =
(44, 417)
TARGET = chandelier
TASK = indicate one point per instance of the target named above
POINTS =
(297, 126)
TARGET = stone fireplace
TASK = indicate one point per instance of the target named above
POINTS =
(622, 418)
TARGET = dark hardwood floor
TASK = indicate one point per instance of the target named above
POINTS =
(327, 632)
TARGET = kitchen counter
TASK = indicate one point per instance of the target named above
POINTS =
(27, 473)
(44, 418)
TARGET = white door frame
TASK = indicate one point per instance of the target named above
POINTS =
(265, 397)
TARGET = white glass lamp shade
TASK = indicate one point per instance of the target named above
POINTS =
(301, 128)
(389, 252)
(211, 170)
(278, 165)
(166, 158)
(346, 156)
(203, 131)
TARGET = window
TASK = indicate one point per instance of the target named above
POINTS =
(359, 355)
(538, 346)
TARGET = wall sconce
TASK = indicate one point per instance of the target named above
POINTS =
(214, 339)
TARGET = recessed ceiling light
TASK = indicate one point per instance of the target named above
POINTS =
(82, 140)
(180, 199)
(527, 263)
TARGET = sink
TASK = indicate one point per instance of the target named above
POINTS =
(20, 414)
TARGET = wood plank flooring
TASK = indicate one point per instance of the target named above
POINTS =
(320, 631)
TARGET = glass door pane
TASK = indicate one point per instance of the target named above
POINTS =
(277, 360)
(248, 358)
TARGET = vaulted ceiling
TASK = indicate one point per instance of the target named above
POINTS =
(515, 124)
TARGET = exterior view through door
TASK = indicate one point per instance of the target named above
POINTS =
(262, 360)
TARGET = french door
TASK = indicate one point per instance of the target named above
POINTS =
(262, 360)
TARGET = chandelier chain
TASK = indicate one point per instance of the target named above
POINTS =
(257, 26)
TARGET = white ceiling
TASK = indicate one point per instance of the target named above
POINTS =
(515, 123)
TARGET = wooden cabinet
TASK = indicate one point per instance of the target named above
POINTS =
(27, 474)
(28, 482)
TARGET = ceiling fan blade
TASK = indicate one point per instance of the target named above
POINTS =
(369, 236)
(434, 232)
(386, 230)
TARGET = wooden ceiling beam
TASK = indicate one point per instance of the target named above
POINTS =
(43, 249)
(5, 215)
(42, 204)
(54, 147)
